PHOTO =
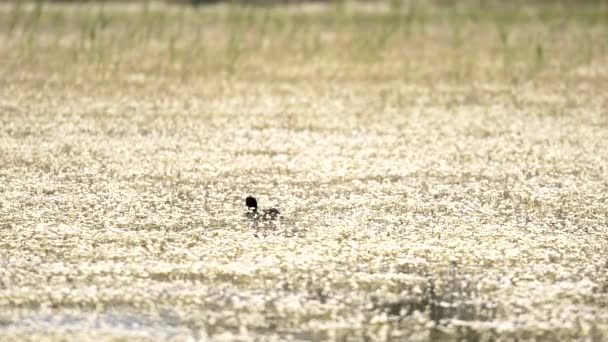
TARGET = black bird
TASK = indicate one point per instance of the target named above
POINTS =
(264, 214)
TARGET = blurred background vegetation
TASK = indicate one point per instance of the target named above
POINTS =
(275, 2)
(471, 40)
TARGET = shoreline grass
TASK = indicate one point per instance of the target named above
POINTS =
(531, 43)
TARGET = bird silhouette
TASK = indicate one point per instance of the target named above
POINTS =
(254, 213)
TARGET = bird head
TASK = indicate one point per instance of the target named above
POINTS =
(252, 203)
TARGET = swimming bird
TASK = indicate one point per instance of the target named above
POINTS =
(264, 214)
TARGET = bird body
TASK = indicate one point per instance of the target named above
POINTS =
(264, 214)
